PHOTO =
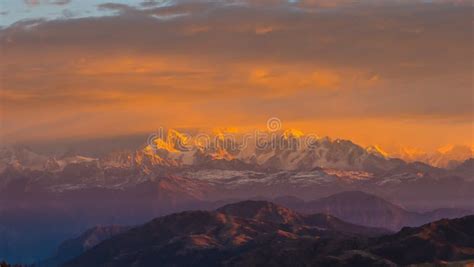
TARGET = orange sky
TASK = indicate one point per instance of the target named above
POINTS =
(391, 73)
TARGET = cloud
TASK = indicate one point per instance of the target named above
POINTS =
(181, 7)
(115, 7)
(33, 3)
(239, 61)
(60, 2)
(151, 3)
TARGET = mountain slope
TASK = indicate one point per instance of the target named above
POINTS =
(364, 209)
(370, 210)
(466, 169)
(444, 240)
(267, 211)
(72, 248)
(262, 211)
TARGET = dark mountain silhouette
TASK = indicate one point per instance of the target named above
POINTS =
(72, 248)
(271, 235)
(189, 238)
(364, 209)
(291, 222)
(444, 240)
(370, 210)
(212, 237)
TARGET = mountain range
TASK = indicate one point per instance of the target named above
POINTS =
(258, 233)
(378, 211)
(283, 150)
(210, 178)
(445, 157)
(68, 193)
(247, 212)
(287, 162)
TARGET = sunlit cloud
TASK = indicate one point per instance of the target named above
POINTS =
(350, 72)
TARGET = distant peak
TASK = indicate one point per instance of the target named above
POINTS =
(176, 133)
(173, 141)
(292, 133)
(377, 151)
(456, 149)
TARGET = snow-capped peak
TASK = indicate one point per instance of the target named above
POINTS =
(376, 151)
(292, 133)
